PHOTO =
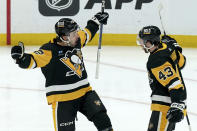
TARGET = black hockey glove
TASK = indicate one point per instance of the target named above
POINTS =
(17, 51)
(101, 18)
(175, 113)
(169, 40)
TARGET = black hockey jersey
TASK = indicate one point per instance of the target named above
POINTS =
(62, 66)
(164, 78)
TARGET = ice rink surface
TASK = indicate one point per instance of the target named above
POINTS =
(122, 86)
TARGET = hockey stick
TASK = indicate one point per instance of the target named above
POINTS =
(188, 122)
(160, 9)
(187, 118)
(99, 44)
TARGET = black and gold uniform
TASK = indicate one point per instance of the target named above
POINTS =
(163, 69)
(63, 67)
(165, 79)
(67, 86)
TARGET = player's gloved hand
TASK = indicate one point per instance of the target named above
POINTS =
(175, 113)
(101, 18)
(169, 40)
(17, 51)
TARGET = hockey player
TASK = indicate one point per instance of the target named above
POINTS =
(168, 92)
(67, 86)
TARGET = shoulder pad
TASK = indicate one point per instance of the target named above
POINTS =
(47, 46)
(156, 60)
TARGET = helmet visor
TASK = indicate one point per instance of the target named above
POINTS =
(139, 41)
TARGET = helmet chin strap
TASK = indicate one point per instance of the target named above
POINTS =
(147, 49)
(66, 41)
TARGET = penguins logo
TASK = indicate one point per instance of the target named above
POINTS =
(59, 4)
(73, 60)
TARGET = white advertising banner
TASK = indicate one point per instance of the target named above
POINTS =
(126, 16)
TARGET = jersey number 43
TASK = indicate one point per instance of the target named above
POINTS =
(167, 72)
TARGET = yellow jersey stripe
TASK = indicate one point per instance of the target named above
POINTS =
(89, 34)
(43, 58)
(173, 56)
(68, 96)
(158, 107)
(82, 36)
(163, 122)
(181, 60)
(54, 107)
(176, 87)
(163, 108)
